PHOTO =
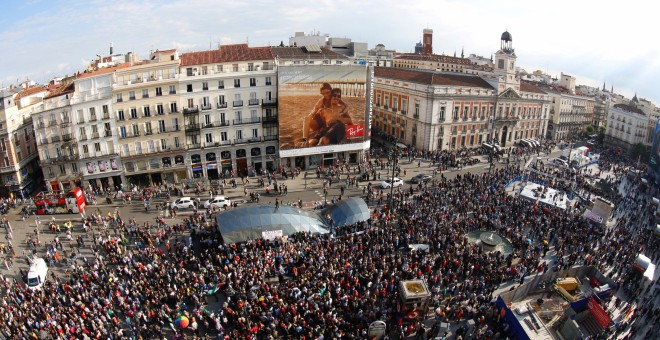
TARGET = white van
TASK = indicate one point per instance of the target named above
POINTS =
(37, 275)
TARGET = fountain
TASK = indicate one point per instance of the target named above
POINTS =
(490, 241)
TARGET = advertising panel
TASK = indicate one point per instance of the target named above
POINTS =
(654, 162)
(323, 108)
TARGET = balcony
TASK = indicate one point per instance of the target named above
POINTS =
(41, 125)
(206, 106)
(190, 110)
(247, 121)
(92, 118)
(192, 127)
(271, 138)
(66, 121)
(52, 122)
(174, 110)
(82, 137)
(107, 133)
(247, 140)
(136, 134)
(238, 103)
(95, 135)
(223, 142)
(55, 139)
(148, 133)
(269, 102)
(195, 146)
(269, 119)
(252, 102)
(66, 137)
(222, 105)
(404, 112)
(106, 116)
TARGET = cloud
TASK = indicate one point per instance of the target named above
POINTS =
(602, 41)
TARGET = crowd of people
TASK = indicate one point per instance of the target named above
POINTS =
(141, 279)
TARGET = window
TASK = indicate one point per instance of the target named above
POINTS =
(223, 136)
(107, 129)
(204, 70)
(159, 109)
(378, 99)
(175, 124)
(500, 64)
(147, 128)
(146, 111)
(152, 146)
(239, 134)
(172, 89)
(221, 84)
(161, 126)
(119, 98)
(163, 144)
(255, 133)
(250, 67)
(159, 91)
(85, 149)
(404, 106)
(234, 67)
(136, 130)
(97, 147)
(145, 93)
(189, 71)
(138, 148)
(269, 81)
(483, 112)
(237, 83)
(177, 142)
(416, 114)
(133, 113)
(441, 117)
(189, 88)
(253, 81)
(209, 138)
(122, 132)
(221, 100)
(62, 169)
(465, 112)
(475, 112)
(205, 86)
(456, 110)
(173, 108)
(131, 95)
(92, 114)
(74, 167)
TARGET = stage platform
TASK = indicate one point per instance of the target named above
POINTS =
(532, 192)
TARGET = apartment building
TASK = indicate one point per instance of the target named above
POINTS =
(627, 126)
(149, 121)
(19, 167)
(229, 105)
(58, 152)
(92, 132)
(569, 113)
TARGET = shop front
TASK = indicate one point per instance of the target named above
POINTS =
(241, 162)
(100, 175)
(211, 166)
(196, 166)
(256, 159)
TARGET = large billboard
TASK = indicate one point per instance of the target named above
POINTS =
(323, 108)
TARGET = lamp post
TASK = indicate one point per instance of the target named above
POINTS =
(395, 161)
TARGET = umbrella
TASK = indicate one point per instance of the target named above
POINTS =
(181, 322)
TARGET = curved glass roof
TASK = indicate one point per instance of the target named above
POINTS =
(249, 222)
(348, 211)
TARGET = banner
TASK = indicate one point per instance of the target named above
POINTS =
(598, 313)
(271, 234)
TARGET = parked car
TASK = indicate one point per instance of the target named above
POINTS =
(183, 203)
(391, 182)
(421, 178)
(218, 202)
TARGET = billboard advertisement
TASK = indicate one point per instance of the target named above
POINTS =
(323, 108)
(654, 162)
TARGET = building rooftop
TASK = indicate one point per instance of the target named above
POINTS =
(61, 89)
(434, 58)
(293, 52)
(101, 71)
(526, 86)
(227, 53)
(629, 108)
(29, 91)
(432, 77)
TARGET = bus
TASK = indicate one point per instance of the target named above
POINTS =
(72, 202)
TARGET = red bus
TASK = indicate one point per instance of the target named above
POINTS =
(55, 203)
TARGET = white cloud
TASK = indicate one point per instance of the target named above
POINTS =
(603, 41)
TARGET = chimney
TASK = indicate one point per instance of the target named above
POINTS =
(111, 49)
(427, 41)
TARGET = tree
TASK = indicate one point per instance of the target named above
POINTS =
(601, 134)
(641, 152)
(589, 130)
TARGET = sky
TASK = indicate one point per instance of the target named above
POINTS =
(595, 41)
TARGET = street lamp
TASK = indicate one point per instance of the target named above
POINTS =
(395, 161)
